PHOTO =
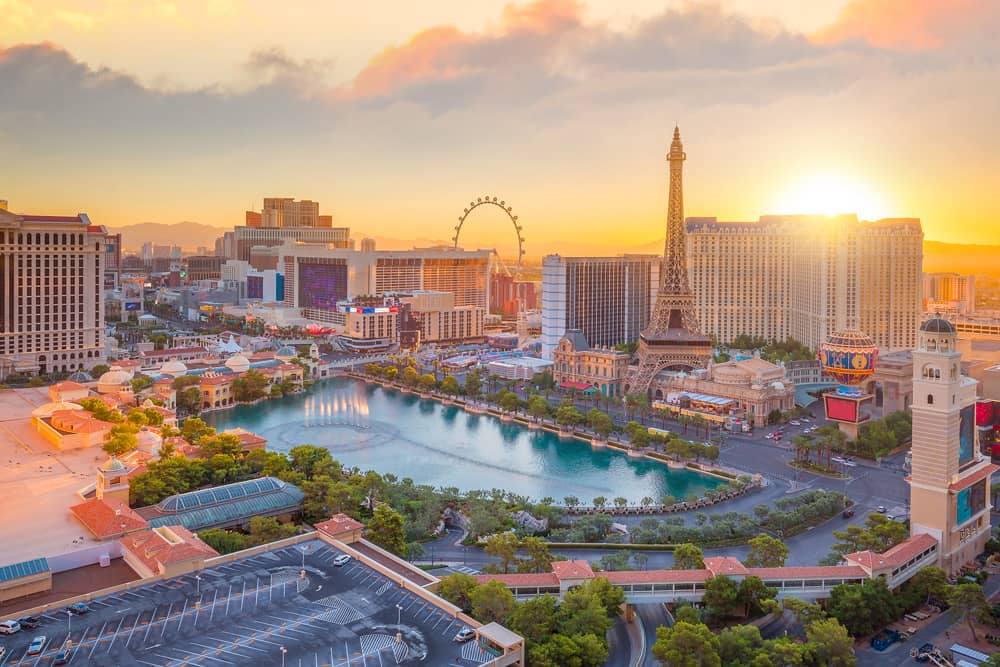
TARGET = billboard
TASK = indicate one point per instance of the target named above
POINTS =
(985, 413)
(133, 305)
(321, 285)
(970, 501)
(841, 409)
(967, 434)
(255, 287)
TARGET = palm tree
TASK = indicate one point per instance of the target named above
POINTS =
(803, 445)
(647, 501)
(621, 503)
(571, 501)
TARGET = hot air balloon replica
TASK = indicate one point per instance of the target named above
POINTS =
(848, 357)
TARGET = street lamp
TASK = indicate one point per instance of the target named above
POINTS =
(198, 579)
(304, 549)
(69, 622)
(399, 614)
(283, 652)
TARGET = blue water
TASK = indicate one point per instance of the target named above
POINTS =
(392, 432)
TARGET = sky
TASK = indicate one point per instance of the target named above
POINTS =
(394, 115)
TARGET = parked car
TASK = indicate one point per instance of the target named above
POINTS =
(37, 644)
(341, 560)
(464, 635)
(79, 608)
(795, 422)
(881, 509)
(30, 621)
(9, 627)
(62, 657)
(847, 514)
(923, 653)
(3, 652)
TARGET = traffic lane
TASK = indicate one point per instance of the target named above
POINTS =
(652, 617)
(619, 646)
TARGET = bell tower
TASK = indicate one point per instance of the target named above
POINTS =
(949, 480)
(112, 480)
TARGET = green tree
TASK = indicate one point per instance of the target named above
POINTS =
(220, 443)
(101, 411)
(927, 583)
(862, 608)
(582, 612)
(968, 602)
(265, 529)
(739, 645)
(721, 596)
(879, 534)
(427, 382)
(410, 377)
(449, 386)
(687, 645)
(503, 546)
(121, 440)
(473, 383)
(835, 647)
(600, 422)
(224, 541)
(457, 589)
(386, 529)
(535, 618)
(753, 593)
(538, 560)
(491, 602)
(687, 613)
(806, 612)
(189, 400)
(194, 428)
(538, 407)
(766, 551)
(250, 386)
(688, 557)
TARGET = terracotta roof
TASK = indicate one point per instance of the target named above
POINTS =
(983, 473)
(78, 421)
(217, 380)
(166, 545)
(249, 439)
(543, 579)
(807, 572)
(725, 565)
(110, 400)
(104, 517)
(657, 576)
(338, 523)
(126, 363)
(572, 569)
(68, 385)
(897, 555)
(172, 352)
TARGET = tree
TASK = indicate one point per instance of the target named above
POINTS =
(410, 377)
(449, 386)
(806, 612)
(457, 589)
(386, 529)
(753, 592)
(928, 582)
(879, 534)
(687, 613)
(739, 645)
(571, 501)
(600, 502)
(189, 400)
(122, 440)
(968, 602)
(503, 546)
(687, 645)
(250, 386)
(539, 560)
(766, 551)
(835, 647)
(774, 416)
(213, 443)
(101, 411)
(862, 608)
(688, 557)
(600, 422)
(538, 407)
(427, 382)
(535, 618)
(491, 602)
(721, 596)
(473, 383)
(194, 428)
(621, 502)
(583, 612)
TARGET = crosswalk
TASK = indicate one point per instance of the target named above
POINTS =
(340, 612)
(374, 643)
(474, 652)
(383, 588)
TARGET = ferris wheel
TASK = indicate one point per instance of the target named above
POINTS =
(502, 205)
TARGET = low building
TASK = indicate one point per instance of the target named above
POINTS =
(29, 577)
(755, 386)
(518, 368)
(894, 373)
(804, 371)
(108, 518)
(69, 426)
(576, 363)
(166, 551)
(227, 506)
(249, 441)
(157, 358)
(68, 391)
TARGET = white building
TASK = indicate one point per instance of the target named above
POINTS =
(518, 368)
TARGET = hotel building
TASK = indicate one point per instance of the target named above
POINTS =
(608, 299)
(575, 363)
(806, 277)
(51, 292)
(318, 277)
(949, 292)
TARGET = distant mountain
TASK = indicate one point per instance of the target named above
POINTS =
(962, 258)
(188, 235)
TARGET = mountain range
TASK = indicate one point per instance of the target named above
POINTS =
(938, 255)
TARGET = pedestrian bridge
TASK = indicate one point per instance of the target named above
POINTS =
(896, 566)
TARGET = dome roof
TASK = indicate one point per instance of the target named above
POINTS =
(851, 338)
(149, 441)
(238, 363)
(47, 410)
(937, 325)
(173, 367)
(80, 376)
(117, 377)
(113, 465)
(286, 353)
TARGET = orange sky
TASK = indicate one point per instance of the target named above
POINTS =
(395, 115)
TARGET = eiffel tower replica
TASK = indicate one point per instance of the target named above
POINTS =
(672, 340)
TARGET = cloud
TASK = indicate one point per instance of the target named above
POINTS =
(913, 24)
(275, 65)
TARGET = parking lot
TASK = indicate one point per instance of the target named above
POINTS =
(259, 610)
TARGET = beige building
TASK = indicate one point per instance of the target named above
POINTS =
(807, 277)
(949, 292)
(755, 386)
(949, 481)
(575, 362)
(894, 372)
(51, 292)
(441, 319)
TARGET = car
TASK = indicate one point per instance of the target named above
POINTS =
(9, 627)
(795, 422)
(37, 644)
(464, 635)
(847, 514)
(62, 657)
(30, 621)
(881, 509)
(3, 652)
(341, 560)
(79, 608)
(805, 419)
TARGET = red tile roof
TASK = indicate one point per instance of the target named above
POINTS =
(217, 380)
(808, 572)
(572, 569)
(520, 579)
(725, 565)
(983, 473)
(166, 545)
(338, 523)
(68, 385)
(897, 555)
(105, 517)
(126, 363)
(657, 576)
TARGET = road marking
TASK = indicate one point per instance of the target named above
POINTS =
(228, 598)
(149, 625)
(243, 595)
(116, 634)
(180, 621)
(166, 620)
(134, 626)
(214, 598)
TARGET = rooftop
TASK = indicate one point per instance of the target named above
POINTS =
(572, 569)
(23, 569)
(107, 517)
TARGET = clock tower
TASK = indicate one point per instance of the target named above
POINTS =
(950, 478)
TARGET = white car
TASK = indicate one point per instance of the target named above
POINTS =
(464, 635)
(9, 627)
(341, 560)
(795, 422)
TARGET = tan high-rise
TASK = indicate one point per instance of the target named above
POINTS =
(949, 482)
(807, 277)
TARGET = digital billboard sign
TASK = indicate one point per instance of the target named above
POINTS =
(322, 285)
(970, 501)
(967, 434)
(841, 409)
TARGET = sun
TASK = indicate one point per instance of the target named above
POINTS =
(830, 194)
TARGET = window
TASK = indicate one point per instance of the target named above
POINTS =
(930, 399)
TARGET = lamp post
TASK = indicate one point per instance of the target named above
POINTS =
(283, 652)
(69, 622)
(399, 614)
(198, 579)
(304, 549)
